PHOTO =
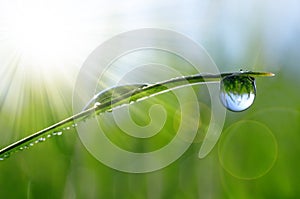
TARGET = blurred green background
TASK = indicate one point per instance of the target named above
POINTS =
(43, 45)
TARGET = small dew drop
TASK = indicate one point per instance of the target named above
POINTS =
(237, 93)
(68, 128)
(6, 155)
(48, 136)
(97, 104)
(59, 133)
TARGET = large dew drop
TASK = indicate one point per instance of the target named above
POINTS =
(108, 94)
(237, 92)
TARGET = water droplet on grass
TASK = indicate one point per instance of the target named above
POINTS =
(32, 143)
(111, 93)
(97, 104)
(59, 133)
(4, 156)
(237, 93)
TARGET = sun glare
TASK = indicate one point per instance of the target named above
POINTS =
(42, 46)
(40, 36)
(38, 33)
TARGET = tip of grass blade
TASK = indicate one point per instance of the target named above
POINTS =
(258, 74)
(271, 74)
(267, 74)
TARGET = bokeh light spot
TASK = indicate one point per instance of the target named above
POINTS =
(247, 150)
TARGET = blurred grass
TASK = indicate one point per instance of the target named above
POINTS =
(62, 168)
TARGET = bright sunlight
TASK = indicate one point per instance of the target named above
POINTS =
(41, 35)
(43, 45)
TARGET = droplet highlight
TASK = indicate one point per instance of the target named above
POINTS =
(38, 140)
(237, 92)
(4, 156)
(59, 133)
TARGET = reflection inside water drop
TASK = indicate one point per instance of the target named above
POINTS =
(237, 92)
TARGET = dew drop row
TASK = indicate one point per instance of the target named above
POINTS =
(39, 140)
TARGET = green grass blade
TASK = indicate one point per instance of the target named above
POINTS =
(115, 97)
